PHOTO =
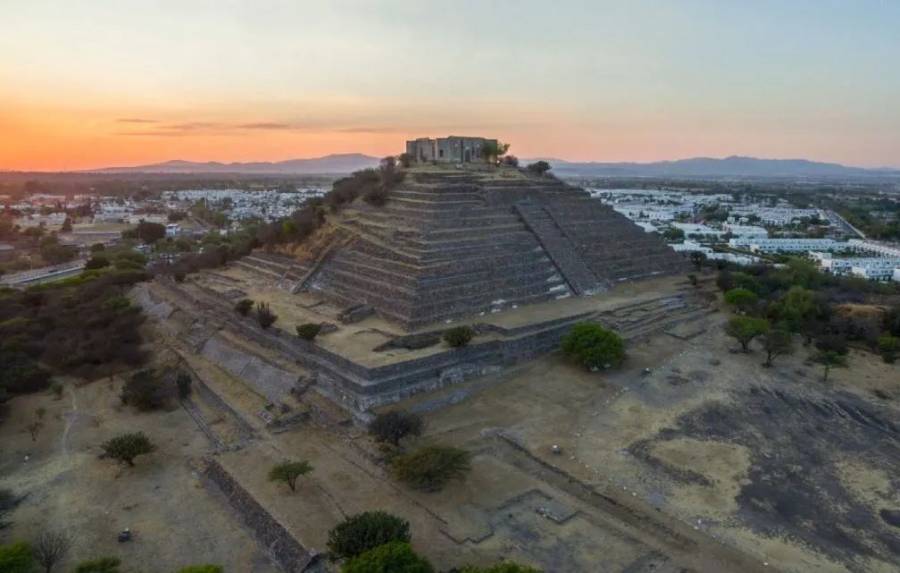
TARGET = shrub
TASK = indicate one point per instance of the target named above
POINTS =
(264, 315)
(145, 391)
(432, 467)
(888, 347)
(744, 329)
(183, 381)
(395, 425)
(288, 472)
(538, 167)
(593, 346)
(243, 306)
(202, 569)
(364, 531)
(459, 336)
(777, 342)
(741, 298)
(829, 359)
(395, 557)
(16, 558)
(309, 330)
(126, 447)
(101, 565)
(96, 262)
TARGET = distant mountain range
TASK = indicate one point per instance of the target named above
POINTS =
(338, 163)
(699, 167)
(708, 167)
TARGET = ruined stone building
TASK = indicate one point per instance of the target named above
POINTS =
(452, 149)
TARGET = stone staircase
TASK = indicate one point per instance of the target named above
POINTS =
(559, 248)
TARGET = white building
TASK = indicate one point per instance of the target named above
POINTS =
(750, 231)
(799, 245)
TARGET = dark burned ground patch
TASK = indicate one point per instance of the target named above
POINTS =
(795, 490)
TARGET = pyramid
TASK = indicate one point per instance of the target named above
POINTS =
(458, 242)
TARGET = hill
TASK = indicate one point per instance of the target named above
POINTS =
(337, 163)
(708, 167)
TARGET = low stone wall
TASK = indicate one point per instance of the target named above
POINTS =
(281, 545)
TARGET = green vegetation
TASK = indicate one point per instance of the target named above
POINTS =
(459, 336)
(741, 298)
(126, 447)
(243, 306)
(593, 346)
(830, 359)
(101, 565)
(308, 331)
(16, 558)
(202, 569)
(777, 342)
(365, 531)
(889, 346)
(745, 328)
(393, 426)
(82, 326)
(432, 467)
(395, 557)
(538, 167)
(147, 232)
(673, 234)
(289, 472)
(146, 390)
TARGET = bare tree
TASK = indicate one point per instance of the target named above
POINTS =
(51, 548)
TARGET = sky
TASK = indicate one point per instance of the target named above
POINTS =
(91, 83)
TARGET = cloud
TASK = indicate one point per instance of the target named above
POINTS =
(135, 120)
(265, 125)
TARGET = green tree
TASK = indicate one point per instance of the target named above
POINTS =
(777, 342)
(289, 471)
(364, 531)
(145, 391)
(395, 425)
(745, 328)
(697, 259)
(829, 359)
(202, 569)
(459, 336)
(888, 346)
(593, 346)
(432, 467)
(126, 447)
(96, 262)
(150, 232)
(394, 557)
(16, 558)
(741, 298)
(797, 307)
(308, 331)
(673, 234)
(538, 167)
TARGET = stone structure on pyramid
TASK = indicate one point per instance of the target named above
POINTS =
(452, 243)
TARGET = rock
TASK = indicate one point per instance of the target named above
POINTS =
(890, 516)
(326, 327)
(356, 313)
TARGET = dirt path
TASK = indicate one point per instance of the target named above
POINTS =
(71, 417)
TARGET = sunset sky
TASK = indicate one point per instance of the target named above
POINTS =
(90, 83)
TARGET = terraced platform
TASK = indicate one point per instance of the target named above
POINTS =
(451, 243)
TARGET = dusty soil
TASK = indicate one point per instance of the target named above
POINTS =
(176, 520)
